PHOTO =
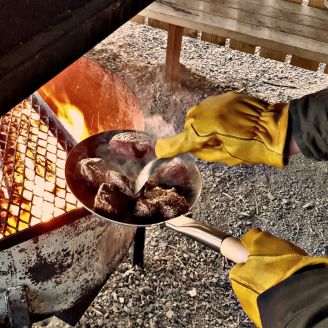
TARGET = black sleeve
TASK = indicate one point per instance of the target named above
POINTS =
(301, 301)
(309, 124)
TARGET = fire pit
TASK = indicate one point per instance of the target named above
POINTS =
(55, 255)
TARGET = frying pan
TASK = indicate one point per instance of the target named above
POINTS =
(97, 146)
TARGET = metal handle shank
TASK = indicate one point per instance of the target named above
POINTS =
(211, 237)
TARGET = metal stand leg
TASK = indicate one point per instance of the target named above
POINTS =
(138, 247)
(17, 307)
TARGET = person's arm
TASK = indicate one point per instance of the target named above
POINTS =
(292, 147)
(308, 125)
(300, 301)
(280, 286)
(234, 128)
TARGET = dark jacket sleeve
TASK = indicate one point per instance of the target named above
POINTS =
(301, 301)
(309, 124)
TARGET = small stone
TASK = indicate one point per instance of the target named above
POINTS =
(115, 308)
(169, 314)
(139, 321)
(193, 292)
(114, 295)
(270, 196)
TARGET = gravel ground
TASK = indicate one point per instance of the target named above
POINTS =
(184, 284)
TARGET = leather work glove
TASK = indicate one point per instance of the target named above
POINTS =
(231, 128)
(271, 261)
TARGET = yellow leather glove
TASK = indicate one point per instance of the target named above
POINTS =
(271, 261)
(231, 128)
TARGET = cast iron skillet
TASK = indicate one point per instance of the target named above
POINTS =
(96, 146)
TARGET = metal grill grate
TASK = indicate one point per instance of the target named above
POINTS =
(33, 151)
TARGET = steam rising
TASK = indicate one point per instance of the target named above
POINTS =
(157, 127)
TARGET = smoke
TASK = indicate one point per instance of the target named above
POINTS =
(156, 126)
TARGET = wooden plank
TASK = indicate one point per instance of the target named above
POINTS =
(192, 33)
(174, 41)
(304, 63)
(158, 24)
(271, 7)
(213, 38)
(291, 7)
(272, 54)
(138, 19)
(248, 33)
(242, 46)
(318, 4)
(255, 19)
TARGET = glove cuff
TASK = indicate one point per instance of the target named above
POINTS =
(277, 127)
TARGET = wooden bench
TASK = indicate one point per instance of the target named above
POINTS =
(278, 27)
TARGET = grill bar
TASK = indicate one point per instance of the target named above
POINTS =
(33, 150)
(64, 138)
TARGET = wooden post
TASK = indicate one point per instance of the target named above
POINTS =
(318, 4)
(242, 46)
(212, 38)
(304, 63)
(174, 41)
(273, 54)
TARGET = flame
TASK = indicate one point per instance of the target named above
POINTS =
(72, 119)
(68, 114)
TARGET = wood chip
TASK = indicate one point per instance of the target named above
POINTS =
(193, 292)
(166, 258)
(227, 195)
(307, 205)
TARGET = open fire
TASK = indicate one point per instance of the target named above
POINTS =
(69, 115)
(46, 237)
(34, 142)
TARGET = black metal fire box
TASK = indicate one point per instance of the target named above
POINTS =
(40, 38)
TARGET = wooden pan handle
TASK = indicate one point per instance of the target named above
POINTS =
(228, 246)
(233, 249)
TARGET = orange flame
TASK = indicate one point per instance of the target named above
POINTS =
(72, 119)
(67, 113)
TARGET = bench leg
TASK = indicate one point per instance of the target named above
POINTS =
(174, 40)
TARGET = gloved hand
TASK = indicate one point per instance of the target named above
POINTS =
(231, 128)
(271, 261)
